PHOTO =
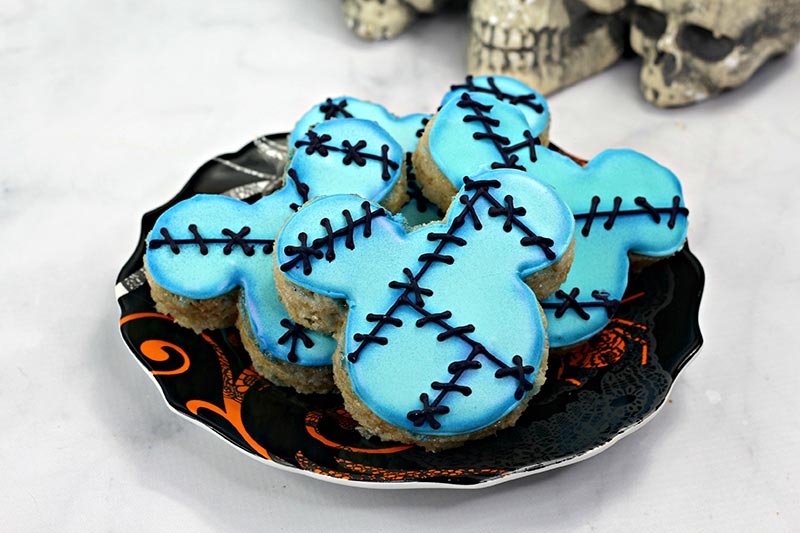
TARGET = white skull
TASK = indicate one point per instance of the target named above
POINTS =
(694, 49)
(548, 44)
(384, 19)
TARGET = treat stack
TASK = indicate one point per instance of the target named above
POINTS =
(421, 266)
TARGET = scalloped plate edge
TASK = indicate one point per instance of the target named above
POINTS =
(391, 485)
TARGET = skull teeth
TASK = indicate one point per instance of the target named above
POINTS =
(507, 49)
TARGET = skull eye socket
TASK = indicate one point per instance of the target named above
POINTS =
(649, 21)
(702, 44)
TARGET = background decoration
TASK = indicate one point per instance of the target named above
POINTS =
(691, 50)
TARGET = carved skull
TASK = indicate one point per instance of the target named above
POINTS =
(548, 44)
(384, 19)
(694, 49)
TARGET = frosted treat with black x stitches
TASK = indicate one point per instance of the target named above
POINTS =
(406, 130)
(627, 206)
(530, 103)
(206, 248)
(443, 340)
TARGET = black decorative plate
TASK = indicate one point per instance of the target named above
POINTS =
(593, 396)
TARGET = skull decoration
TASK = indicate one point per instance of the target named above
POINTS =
(694, 49)
(545, 43)
(384, 19)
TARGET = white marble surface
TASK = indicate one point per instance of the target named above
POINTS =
(106, 107)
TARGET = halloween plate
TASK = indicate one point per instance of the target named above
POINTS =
(594, 395)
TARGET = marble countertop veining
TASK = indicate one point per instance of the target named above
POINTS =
(108, 106)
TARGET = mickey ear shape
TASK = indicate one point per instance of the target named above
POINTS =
(200, 247)
(333, 243)
(528, 210)
(346, 156)
(510, 90)
(406, 130)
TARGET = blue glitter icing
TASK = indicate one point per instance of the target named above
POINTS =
(649, 219)
(406, 130)
(469, 267)
(322, 165)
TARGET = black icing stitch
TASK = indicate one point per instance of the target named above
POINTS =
(353, 153)
(306, 252)
(296, 333)
(366, 338)
(615, 213)
(302, 188)
(453, 332)
(570, 301)
(394, 321)
(522, 99)
(197, 239)
(451, 387)
(316, 143)
(426, 414)
(446, 237)
(333, 110)
(501, 143)
(530, 143)
(413, 297)
(509, 211)
(330, 254)
(424, 122)
(518, 372)
(469, 211)
(237, 239)
(433, 317)
(232, 240)
(412, 286)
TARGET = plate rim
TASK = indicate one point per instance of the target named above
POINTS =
(395, 485)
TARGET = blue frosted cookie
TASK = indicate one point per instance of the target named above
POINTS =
(442, 339)
(629, 210)
(209, 258)
(406, 130)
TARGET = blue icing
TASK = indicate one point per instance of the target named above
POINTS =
(406, 130)
(238, 237)
(474, 132)
(638, 208)
(469, 267)
(532, 104)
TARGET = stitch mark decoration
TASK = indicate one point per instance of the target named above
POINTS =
(406, 130)
(416, 347)
(305, 252)
(646, 209)
(295, 333)
(232, 239)
(623, 203)
(528, 100)
(209, 245)
(331, 109)
(474, 132)
(353, 153)
(643, 215)
(509, 91)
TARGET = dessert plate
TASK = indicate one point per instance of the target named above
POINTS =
(594, 395)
